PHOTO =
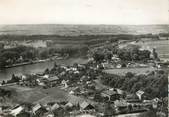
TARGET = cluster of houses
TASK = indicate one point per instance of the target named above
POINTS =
(79, 81)
(121, 103)
(120, 64)
(116, 63)
(48, 109)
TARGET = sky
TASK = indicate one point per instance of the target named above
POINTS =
(84, 12)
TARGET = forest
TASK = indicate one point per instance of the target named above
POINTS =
(155, 84)
(27, 54)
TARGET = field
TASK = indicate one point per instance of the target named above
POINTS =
(77, 35)
(34, 95)
(123, 71)
(162, 47)
(40, 95)
(73, 30)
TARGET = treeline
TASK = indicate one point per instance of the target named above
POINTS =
(5, 93)
(164, 34)
(155, 84)
(129, 53)
(71, 51)
(27, 54)
(133, 54)
(80, 37)
(58, 37)
(17, 55)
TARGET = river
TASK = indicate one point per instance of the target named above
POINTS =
(35, 68)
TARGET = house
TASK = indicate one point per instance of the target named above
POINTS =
(17, 111)
(155, 105)
(55, 106)
(86, 106)
(23, 77)
(53, 80)
(38, 110)
(81, 65)
(63, 73)
(46, 76)
(139, 94)
(40, 82)
(118, 66)
(115, 58)
(112, 94)
(132, 98)
(35, 108)
(75, 100)
(119, 91)
(76, 72)
(64, 83)
(108, 94)
(69, 104)
(121, 105)
(49, 114)
(47, 81)
(156, 100)
(107, 65)
(71, 92)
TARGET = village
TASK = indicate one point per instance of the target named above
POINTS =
(87, 89)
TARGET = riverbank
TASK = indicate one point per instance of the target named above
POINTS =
(6, 73)
(33, 62)
(27, 63)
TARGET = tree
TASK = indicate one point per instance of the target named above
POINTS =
(44, 54)
(3, 82)
(129, 75)
(155, 54)
(47, 71)
(124, 55)
(98, 57)
(2, 62)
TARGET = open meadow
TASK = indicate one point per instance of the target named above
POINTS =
(161, 46)
(123, 71)
(34, 95)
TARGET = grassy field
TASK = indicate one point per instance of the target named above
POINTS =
(162, 47)
(33, 95)
(123, 71)
(40, 95)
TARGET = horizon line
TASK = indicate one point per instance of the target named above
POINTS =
(80, 24)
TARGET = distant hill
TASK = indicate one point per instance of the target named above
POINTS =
(75, 30)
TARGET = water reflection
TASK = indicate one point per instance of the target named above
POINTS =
(35, 68)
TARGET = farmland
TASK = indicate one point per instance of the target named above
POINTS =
(72, 30)
(111, 78)
(32, 95)
(39, 95)
(160, 45)
(123, 71)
